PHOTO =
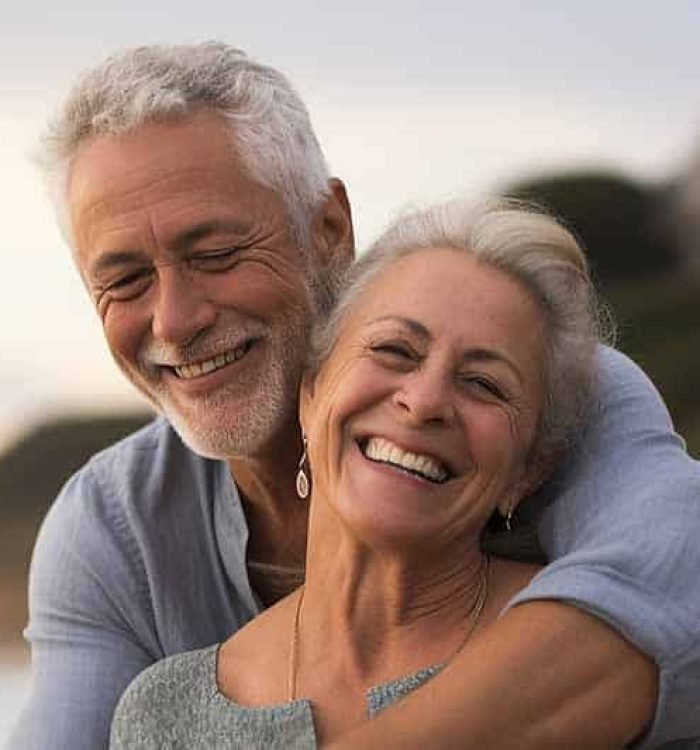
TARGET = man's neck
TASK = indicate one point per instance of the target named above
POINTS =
(277, 519)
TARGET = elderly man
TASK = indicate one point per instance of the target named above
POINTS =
(208, 233)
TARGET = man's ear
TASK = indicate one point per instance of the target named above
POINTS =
(332, 231)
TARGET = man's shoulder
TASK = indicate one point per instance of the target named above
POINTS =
(147, 480)
(131, 540)
(157, 439)
(142, 467)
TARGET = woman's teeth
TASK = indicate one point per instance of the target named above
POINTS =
(386, 452)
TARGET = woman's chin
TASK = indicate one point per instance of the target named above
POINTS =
(387, 507)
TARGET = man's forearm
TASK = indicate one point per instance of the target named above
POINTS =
(546, 675)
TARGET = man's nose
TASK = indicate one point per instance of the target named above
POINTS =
(182, 309)
(425, 397)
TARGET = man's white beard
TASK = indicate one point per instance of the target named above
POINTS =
(225, 425)
(236, 422)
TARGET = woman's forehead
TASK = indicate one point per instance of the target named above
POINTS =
(442, 284)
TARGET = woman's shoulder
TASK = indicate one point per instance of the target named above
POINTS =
(177, 703)
(253, 664)
(160, 695)
(176, 677)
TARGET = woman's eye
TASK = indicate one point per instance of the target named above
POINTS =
(395, 355)
(484, 387)
(394, 349)
(214, 260)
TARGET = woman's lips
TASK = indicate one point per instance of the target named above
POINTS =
(382, 450)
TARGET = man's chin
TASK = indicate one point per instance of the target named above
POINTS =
(205, 440)
(240, 433)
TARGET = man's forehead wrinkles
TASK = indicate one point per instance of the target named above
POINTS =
(194, 230)
(162, 225)
(143, 187)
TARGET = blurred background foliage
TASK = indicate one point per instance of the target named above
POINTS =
(644, 250)
(642, 242)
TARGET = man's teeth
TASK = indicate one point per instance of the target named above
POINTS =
(204, 368)
(383, 451)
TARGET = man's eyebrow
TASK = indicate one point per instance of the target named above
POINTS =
(112, 259)
(207, 228)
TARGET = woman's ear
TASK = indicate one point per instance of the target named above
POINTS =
(508, 503)
(532, 477)
(306, 401)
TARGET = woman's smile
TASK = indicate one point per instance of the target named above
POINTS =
(383, 451)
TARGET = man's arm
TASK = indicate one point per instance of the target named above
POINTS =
(624, 532)
(544, 677)
(82, 631)
(128, 568)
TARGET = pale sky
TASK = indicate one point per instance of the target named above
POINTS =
(411, 101)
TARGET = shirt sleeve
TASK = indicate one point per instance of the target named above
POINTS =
(623, 535)
(89, 625)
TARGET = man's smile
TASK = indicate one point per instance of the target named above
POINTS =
(197, 369)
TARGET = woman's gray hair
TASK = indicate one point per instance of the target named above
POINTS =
(532, 248)
(270, 126)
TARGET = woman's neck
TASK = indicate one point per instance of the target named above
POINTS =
(387, 612)
(380, 623)
(364, 618)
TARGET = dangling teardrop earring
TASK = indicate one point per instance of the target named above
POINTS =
(302, 479)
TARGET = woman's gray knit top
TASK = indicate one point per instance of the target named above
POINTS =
(176, 703)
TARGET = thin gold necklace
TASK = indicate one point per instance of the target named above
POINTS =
(474, 615)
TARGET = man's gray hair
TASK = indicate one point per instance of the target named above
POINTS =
(532, 248)
(270, 126)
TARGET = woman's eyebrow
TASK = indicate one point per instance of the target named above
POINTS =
(470, 355)
(413, 325)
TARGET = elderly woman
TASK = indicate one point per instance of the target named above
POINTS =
(448, 378)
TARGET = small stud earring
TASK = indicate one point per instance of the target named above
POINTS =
(509, 519)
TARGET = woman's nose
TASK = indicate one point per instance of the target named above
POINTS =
(425, 397)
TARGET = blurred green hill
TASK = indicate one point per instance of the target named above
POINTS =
(619, 221)
(626, 228)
